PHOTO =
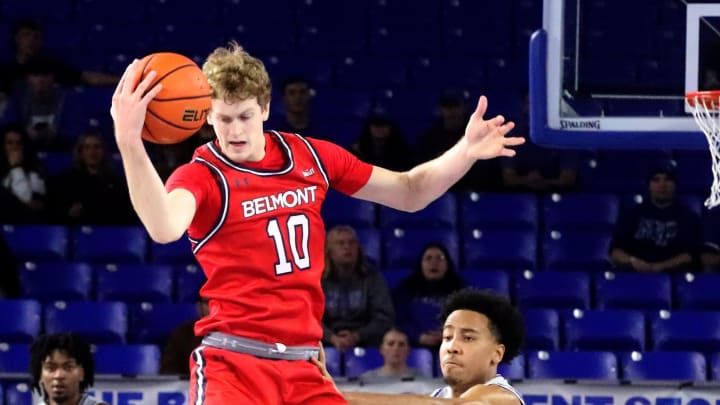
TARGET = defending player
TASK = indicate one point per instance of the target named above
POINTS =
(250, 203)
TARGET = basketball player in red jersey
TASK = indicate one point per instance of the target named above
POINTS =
(250, 203)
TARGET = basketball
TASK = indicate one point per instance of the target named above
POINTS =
(181, 107)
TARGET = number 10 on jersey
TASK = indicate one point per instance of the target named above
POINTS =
(298, 229)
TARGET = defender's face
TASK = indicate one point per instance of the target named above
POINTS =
(239, 128)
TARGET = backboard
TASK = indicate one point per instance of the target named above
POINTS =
(606, 74)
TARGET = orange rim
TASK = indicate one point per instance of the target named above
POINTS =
(708, 98)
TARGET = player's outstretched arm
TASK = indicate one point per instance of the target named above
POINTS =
(165, 216)
(415, 189)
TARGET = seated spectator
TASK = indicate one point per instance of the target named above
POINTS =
(358, 307)
(395, 350)
(419, 297)
(91, 192)
(659, 235)
(166, 158)
(22, 195)
(175, 357)
(485, 175)
(382, 143)
(297, 115)
(28, 43)
(536, 168)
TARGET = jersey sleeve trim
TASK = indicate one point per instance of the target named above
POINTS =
(225, 204)
(316, 157)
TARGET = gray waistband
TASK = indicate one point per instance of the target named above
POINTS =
(276, 351)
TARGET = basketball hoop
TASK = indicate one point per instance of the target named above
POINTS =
(705, 106)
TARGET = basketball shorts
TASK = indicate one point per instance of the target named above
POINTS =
(220, 377)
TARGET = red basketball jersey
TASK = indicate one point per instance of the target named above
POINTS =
(259, 237)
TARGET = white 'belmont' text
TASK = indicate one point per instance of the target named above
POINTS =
(286, 199)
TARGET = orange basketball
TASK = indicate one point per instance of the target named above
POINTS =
(181, 107)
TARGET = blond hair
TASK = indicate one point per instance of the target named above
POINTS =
(361, 267)
(235, 75)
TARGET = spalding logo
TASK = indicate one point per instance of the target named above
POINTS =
(195, 115)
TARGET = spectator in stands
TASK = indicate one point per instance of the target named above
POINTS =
(28, 44)
(382, 143)
(536, 168)
(176, 355)
(445, 132)
(22, 195)
(659, 235)
(297, 114)
(62, 369)
(167, 158)
(395, 349)
(358, 307)
(419, 297)
(9, 275)
(91, 192)
(710, 253)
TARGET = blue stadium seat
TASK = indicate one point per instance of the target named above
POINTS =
(609, 330)
(14, 357)
(178, 252)
(542, 329)
(54, 162)
(515, 370)
(498, 210)
(39, 243)
(331, 103)
(153, 323)
(100, 11)
(405, 104)
(371, 73)
(51, 281)
(370, 241)
(685, 330)
(332, 37)
(110, 244)
(441, 213)
(323, 10)
(431, 73)
(18, 393)
(697, 291)
(127, 359)
(661, 365)
(575, 250)
(422, 359)
(333, 361)
(271, 11)
(580, 211)
(188, 280)
(318, 71)
(387, 12)
(393, 277)
(633, 291)
(135, 282)
(714, 366)
(20, 320)
(402, 247)
(496, 280)
(551, 289)
(339, 209)
(181, 11)
(184, 38)
(99, 322)
(499, 248)
(581, 365)
(43, 10)
(118, 37)
(404, 39)
(694, 172)
(361, 359)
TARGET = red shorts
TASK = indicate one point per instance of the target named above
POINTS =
(220, 377)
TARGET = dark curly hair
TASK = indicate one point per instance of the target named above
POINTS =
(506, 322)
(72, 344)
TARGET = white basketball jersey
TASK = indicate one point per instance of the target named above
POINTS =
(499, 380)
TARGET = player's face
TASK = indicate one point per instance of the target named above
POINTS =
(60, 376)
(239, 128)
(469, 353)
(434, 264)
(395, 348)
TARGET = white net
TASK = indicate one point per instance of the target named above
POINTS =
(706, 110)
